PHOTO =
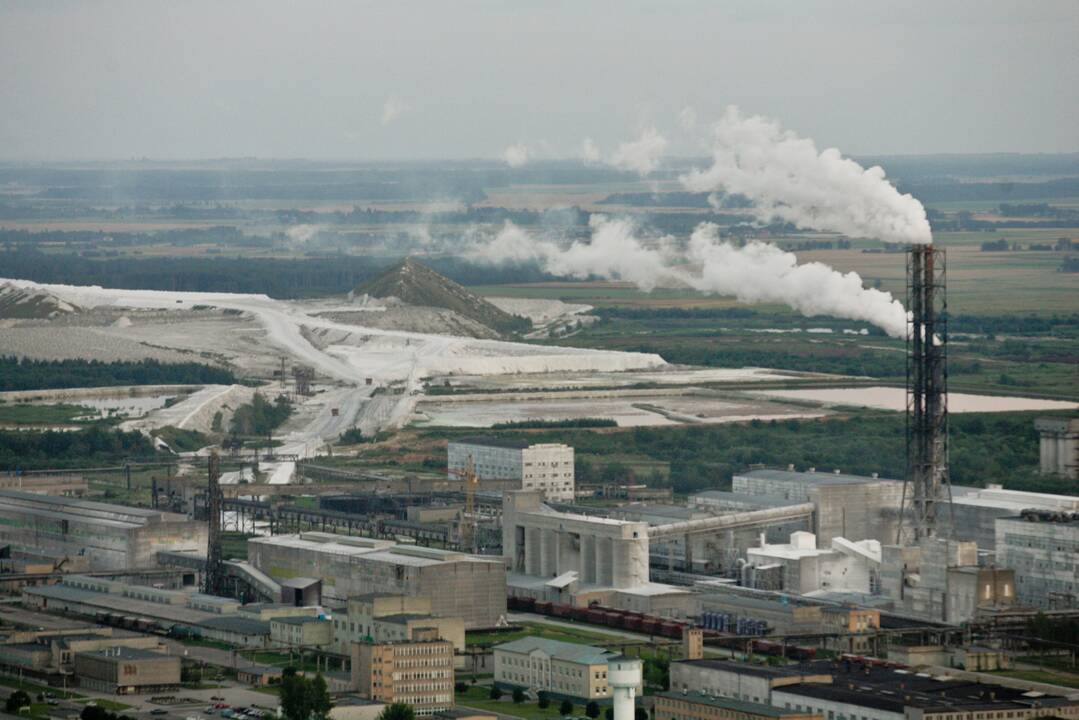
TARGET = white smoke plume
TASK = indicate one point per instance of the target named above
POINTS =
(516, 155)
(393, 108)
(590, 152)
(687, 119)
(787, 178)
(756, 273)
(302, 234)
(762, 273)
(641, 155)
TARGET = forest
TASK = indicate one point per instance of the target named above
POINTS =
(28, 374)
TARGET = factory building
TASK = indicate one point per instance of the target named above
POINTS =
(733, 609)
(859, 508)
(417, 672)
(144, 608)
(299, 631)
(578, 559)
(739, 681)
(547, 467)
(698, 706)
(940, 580)
(1059, 446)
(849, 506)
(802, 567)
(124, 670)
(109, 537)
(1043, 550)
(471, 587)
(390, 618)
(563, 670)
(976, 510)
(860, 690)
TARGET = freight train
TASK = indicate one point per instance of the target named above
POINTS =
(720, 630)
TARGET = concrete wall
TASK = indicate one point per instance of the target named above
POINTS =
(1045, 558)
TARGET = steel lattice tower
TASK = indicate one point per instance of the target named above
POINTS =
(927, 485)
(214, 582)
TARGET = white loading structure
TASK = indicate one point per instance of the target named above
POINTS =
(623, 678)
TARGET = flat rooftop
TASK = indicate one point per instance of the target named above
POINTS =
(819, 477)
(893, 689)
(121, 653)
(740, 668)
(740, 706)
(370, 549)
(86, 510)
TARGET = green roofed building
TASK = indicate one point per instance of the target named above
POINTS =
(561, 669)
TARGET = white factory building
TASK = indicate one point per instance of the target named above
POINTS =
(577, 559)
(1043, 550)
(547, 467)
(1059, 446)
(801, 567)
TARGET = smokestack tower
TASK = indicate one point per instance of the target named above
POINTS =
(927, 392)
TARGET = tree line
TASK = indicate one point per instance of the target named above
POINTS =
(29, 374)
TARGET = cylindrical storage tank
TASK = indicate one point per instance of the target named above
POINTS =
(623, 677)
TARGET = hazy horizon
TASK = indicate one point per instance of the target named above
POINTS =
(522, 82)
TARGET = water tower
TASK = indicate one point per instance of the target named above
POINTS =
(624, 677)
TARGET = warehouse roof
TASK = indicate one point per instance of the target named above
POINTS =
(741, 706)
(298, 620)
(565, 651)
(812, 478)
(238, 625)
(120, 653)
(740, 668)
(894, 689)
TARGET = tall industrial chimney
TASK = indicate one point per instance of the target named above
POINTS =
(927, 485)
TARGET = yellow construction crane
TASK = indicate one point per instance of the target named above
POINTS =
(468, 518)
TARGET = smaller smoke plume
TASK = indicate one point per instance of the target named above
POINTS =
(787, 178)
(755, 273)
(302, 234)
(393, 108)
(687, 119)
(590, 152)
(641, 155)
(516, 155)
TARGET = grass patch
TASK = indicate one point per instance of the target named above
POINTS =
(107, 704)
(477, 697)
(182, 440)
(61, 414)
(234, 544)
(35, 688)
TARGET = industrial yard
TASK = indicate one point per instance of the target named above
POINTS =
(539, 362)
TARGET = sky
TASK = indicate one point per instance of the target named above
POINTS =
(403, 79)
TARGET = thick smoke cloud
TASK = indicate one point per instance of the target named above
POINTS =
(787, 178)
(755, 273)
(516, 155)
(641, 155)
(393, 108)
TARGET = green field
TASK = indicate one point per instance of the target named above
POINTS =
(477, 697)
(550, 632)
(29, 414)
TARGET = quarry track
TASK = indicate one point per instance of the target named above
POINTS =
(357, 360)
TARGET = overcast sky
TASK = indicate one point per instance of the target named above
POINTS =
(439, 79)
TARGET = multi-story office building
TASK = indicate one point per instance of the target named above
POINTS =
(561, 669)
(547, 467)
(1043, 550)
(417, 672)
(392, 618)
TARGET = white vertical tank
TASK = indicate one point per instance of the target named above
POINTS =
(624, 677)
